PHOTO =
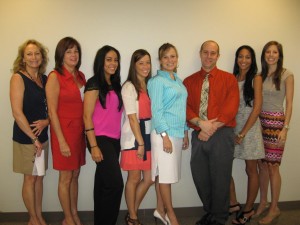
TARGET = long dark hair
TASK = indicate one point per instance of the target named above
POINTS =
(279, 68)
(99, 74)
(62, 46)
(132, 75)
(248, 85)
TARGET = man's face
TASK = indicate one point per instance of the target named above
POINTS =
(209, 55)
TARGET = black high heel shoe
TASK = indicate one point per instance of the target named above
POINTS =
(241, 219)
(231, 211)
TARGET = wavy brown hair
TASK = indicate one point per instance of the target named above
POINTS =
(20, 65)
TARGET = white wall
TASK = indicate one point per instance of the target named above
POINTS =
(132, 24)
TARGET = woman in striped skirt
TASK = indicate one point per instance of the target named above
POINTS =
(278, 85)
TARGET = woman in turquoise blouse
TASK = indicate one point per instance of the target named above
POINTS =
(169, 136)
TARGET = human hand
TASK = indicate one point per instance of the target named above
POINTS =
(38, 126)
(203, 136)
(185, 143)
(238, 139)
(209, 126)
(282, 137)
(38, 147)
(140, 151)
(167, 144)
(65, 149)
(97, 155)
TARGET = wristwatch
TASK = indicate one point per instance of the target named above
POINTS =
(163, 134)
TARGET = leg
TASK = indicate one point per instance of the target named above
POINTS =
(234, 204)
(165, 191)
(28, 194)
(65, 178)
(160, 205)
(221, 147)
(133, 180)
(275, 181)
(39, 198)
(263, 187)
(253, 183)
(142, 188)
(108, 186)
(74, 196)
(200, 171)
(252, 190)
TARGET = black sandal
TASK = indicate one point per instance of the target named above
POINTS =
(130, 221)
(241, 219)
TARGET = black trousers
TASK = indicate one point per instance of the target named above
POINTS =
(108, 185)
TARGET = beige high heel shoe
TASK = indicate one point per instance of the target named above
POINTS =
(158, 216)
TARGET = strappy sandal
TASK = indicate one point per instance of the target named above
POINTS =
(241, 219)
(130, 221)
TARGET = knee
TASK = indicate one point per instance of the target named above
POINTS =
(134, 179)
(251, 171)
(273, 170)
(30, 179)
(65, 179)
(75, 174)
(149, 182)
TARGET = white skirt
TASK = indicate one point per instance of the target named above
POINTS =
(165, 165)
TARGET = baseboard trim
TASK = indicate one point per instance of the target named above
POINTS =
(88, 215)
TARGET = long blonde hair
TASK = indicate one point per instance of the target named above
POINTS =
(20, 65)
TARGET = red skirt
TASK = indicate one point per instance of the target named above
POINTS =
(130, 161)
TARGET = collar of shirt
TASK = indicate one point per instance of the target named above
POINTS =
(166, 74)
(212, 73)
(70, 76)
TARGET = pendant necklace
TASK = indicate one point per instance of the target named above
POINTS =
(35, 81)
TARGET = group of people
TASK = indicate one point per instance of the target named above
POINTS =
(225, 111)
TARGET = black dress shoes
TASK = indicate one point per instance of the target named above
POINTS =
(205, 220)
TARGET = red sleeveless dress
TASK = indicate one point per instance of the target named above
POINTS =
(70, 115)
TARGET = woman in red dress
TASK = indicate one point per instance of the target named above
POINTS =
(64, 92)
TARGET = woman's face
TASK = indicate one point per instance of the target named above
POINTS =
(111, 63)
(143, 66)
(169, 60)
(32, 56)
(71, 57)
(272, 55)
(244, 59)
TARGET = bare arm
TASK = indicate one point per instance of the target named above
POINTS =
(289, 95)
(135, 127)
(256, 109)
(16, 98)
(90, 98)
(52, 93)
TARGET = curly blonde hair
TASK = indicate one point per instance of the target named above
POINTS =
(20, 65)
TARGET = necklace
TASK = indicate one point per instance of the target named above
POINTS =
(34, 80)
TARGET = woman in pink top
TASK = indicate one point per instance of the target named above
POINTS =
(135, 135)
(103, 109)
